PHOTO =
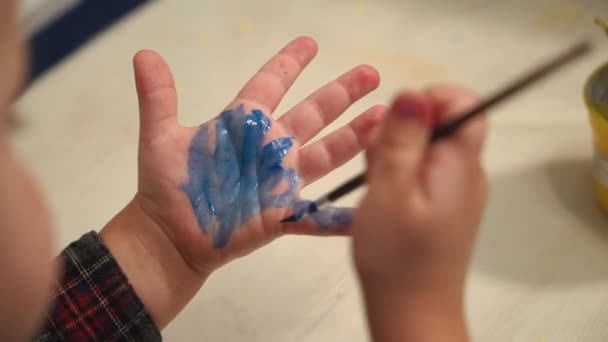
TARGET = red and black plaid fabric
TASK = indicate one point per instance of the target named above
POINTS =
(94, 300)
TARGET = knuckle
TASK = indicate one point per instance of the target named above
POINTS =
(394, 159)
(412, 209)
(481, 183)
(283, 62)
(475, 132)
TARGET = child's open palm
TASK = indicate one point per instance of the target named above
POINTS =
(218, 191)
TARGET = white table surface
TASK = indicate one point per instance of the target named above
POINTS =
(541, 267)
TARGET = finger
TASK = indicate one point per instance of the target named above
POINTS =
(340, 146)
(330, 221)
(369, 151)
(267, 87)
(325, 105)
(402, 143)
(156, 93)
(309, 226)
(451, 101)
(451, 175)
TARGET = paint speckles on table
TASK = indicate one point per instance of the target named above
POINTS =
(232, 175)
(245, 26)
(360, 7)
(201, 39)
(558, 17)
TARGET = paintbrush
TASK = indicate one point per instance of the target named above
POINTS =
(447, 129)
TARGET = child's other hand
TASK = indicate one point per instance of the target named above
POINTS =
(415, 229)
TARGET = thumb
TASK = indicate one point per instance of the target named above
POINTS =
(397, 155)
(156, 93)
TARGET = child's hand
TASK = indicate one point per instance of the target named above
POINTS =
(220, 190)
(216, 192)
(415, 229)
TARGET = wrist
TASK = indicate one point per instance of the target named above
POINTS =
(161, 277)
(415, 316)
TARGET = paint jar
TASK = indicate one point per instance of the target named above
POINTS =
(596, 99)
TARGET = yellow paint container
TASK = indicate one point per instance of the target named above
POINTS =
(596, 99)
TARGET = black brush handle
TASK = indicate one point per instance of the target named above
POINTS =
(447, 129)
(346, 188)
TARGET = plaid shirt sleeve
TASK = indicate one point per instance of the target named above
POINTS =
(94, 300)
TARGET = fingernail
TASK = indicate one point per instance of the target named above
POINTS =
(412, 107)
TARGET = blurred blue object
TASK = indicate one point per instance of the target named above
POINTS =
(57, 28)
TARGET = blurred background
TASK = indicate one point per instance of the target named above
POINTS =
(541, 265)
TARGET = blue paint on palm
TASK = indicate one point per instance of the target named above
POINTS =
(234, 178)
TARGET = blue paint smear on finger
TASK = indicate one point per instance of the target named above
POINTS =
(327, 218)
(233, 178)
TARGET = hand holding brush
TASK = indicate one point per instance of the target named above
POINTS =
(414, 231)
